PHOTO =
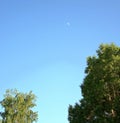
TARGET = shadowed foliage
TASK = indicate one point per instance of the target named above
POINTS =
(100, 89)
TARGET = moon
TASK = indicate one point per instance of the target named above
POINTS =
(68, 23)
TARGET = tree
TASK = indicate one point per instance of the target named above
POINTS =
(100, 88)
(18, 107)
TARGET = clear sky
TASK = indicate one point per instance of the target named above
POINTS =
(44, 45)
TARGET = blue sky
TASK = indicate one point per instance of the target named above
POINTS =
(44, 45)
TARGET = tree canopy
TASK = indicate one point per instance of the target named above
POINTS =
(100, 89)
(18, 107)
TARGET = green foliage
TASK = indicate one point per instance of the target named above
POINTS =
(18, 107)
(100, 89)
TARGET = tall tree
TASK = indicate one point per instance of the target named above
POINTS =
(100, 88)
(18, 107)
